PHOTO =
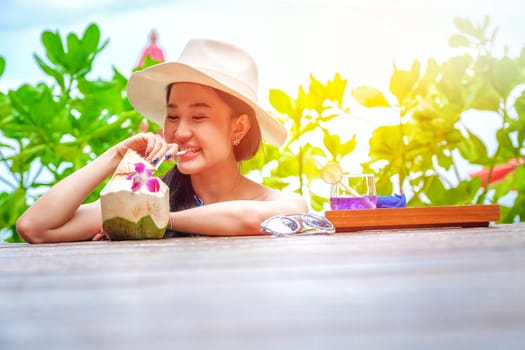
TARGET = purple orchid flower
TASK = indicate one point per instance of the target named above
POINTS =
(142, 176)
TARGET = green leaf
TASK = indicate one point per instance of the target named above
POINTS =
(315, 87)
(103, 46)
(463, 193)
(91, 38)
(458, 40)
(57, 75)
(67, 151)
(386, 141)
(521, 59)
(506, 147)
(309, 151)
(54, 49)
(504, 75)
(308, 128)
(119, 77)
(22, 161)
(519, 123)
(503, 187)
(520, 179)
(444, 161)
(5, 110)
(75, 58)
(473, 149)
(453, 77)
(402, 82)
(484, 98)
(265, 155)
(12, 205)
(148, 62)
(427, 81)
(332, 143)
(349, 146)
(384, 185)
(335, 89)
(275, 182)
(370, 97)
(317, 202)
(2, 65)
(310, 167)
(466, 26)
(281, 101)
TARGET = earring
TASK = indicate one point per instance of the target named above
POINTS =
(236, 142)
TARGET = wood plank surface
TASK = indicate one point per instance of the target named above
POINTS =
(444, 288)
(416, 217)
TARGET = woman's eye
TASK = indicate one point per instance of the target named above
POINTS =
(172, 117)
(199, 117)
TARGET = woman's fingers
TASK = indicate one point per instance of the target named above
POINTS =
(152, 147)
(99, 236)
(166, 153)
(154, 143)
(159, 150)
(171, 151)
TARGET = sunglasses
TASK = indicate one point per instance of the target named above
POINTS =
(284, 225)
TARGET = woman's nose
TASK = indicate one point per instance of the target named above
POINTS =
(182, 132)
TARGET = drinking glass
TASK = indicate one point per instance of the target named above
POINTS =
(354, 191)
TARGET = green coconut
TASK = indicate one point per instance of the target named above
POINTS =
(130, 215)
(122, 229)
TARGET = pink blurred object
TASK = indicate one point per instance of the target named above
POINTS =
(152, 50)
(498, 173)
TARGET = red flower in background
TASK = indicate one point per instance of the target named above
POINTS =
(498, 173)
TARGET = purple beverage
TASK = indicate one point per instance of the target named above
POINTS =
(344, 203)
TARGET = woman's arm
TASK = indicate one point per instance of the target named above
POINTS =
(235, 218)
(60, 216)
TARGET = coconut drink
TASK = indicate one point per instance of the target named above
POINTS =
(135, 205)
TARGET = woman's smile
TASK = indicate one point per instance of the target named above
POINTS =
(186, 153)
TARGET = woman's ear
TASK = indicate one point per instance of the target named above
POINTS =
(240, 127)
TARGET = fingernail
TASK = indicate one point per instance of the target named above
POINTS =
(147, 154)
(155, 160)
(168, 155)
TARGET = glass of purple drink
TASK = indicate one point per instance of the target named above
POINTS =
(354, 191)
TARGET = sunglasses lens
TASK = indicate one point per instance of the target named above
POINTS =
(318, 222)
(281, 225)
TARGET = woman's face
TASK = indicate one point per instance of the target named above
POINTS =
(200, 123)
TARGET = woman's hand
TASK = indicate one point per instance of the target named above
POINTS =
(150, 146)
(100, 236)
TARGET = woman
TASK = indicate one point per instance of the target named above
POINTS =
(207, 104)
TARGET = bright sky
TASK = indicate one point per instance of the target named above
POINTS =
(288, 38)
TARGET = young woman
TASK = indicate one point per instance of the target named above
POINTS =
(207, 105)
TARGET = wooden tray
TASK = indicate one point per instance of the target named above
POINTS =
(419, 217)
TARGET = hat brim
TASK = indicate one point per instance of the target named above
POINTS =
(147, 94)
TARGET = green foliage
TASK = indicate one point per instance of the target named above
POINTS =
(148, 62)
(370, 97)
(473, 35)
(53, 130)
(50, 130)
(2, 65)
(65, 66)
(307, 116)
(417, 155)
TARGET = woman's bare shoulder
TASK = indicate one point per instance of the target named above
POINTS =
(289, 197)
(258, 191)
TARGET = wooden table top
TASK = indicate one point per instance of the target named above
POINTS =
(443, 288)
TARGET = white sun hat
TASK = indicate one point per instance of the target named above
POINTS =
(208, 62)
